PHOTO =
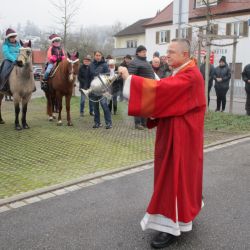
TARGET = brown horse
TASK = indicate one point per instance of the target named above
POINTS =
(62, 84)
(22, 84)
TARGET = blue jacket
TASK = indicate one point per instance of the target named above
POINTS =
(11, 50)
(96, 68)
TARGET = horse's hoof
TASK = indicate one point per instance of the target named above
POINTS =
(50, 119)
(26, 126)
(59, 123)
(70, 124)
(2, 122)
(18, 127)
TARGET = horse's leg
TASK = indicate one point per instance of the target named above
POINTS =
(1, 98)
(49, 105)
(59, 105)
(24, 112)
(17, 111)
(67, 100)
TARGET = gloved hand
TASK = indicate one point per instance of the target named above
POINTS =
(19, 63)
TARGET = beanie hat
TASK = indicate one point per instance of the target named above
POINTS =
(140, 48)
(54, 37)
(223, 59)
(128, 57)
(87, 57)
(156, 54)
(10, 32)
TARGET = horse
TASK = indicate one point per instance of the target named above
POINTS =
(60, 84)
(22, 84)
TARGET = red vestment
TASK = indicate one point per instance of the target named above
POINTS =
(178, 105)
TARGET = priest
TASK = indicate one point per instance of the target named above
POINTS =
(176, 107)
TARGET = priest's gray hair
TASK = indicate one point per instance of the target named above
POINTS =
(185, 44)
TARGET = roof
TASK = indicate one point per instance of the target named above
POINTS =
(39, 56)
(166, 15)
(224, 7)
(135, 28)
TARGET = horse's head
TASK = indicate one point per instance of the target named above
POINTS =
(25, 52)
(73, 64)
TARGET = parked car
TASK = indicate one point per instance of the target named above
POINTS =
(37, 71)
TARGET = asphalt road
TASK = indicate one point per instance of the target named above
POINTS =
(107, 215)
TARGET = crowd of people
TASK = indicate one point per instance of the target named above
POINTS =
(137, 64)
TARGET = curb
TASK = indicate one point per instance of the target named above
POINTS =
(72, 185)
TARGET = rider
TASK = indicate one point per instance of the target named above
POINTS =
(55, 54)
(10, 51)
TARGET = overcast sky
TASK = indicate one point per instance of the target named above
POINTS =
(91, 12)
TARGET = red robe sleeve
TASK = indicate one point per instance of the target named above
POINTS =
(172, 96)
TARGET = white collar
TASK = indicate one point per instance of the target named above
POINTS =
(176, 70)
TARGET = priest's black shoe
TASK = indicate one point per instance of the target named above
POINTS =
(162, 240)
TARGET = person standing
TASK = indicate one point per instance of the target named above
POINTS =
(115, 87)
(222, 75)
(141, 67)
(176, 105)
(84, 84)
(126, 61)
(246, 79)
(211, 76)
(156, 65)
(96, 67)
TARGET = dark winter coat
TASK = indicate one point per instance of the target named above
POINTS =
(141, 67)
(83, 77)
(246, 77)
(223, 72)
(96, 68)
(211, 74)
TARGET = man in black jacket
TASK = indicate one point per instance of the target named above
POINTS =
(84, 84)
(141, 67)
(211, 75)
(246, 79)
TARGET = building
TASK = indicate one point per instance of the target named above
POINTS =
(127, 40)
(39, 58)
(227, 18)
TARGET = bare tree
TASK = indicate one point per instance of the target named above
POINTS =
(67, 10)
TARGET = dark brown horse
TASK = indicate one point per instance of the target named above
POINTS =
(22, 84)
(62, 84)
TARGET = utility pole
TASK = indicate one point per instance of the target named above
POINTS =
(232, 76)
(208, 49)
(179, 18)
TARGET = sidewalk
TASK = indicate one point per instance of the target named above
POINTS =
(107, 216)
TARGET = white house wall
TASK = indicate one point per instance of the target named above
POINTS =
(243, 46)
(121, 42)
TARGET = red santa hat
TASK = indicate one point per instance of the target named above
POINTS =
(10, 32)
(54, 37)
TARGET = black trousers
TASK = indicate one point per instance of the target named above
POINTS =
(221, 98)
(248, 103)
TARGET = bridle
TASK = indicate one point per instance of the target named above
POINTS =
(25, 57)
(71, 72)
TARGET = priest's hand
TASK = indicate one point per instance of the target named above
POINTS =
(123, 72)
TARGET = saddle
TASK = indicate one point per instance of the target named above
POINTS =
(5, 70)
(44, 84)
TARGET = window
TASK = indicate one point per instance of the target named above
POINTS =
(203, 3)
(131, 44)
(162, 37)
(185, 33)
(237, 28)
